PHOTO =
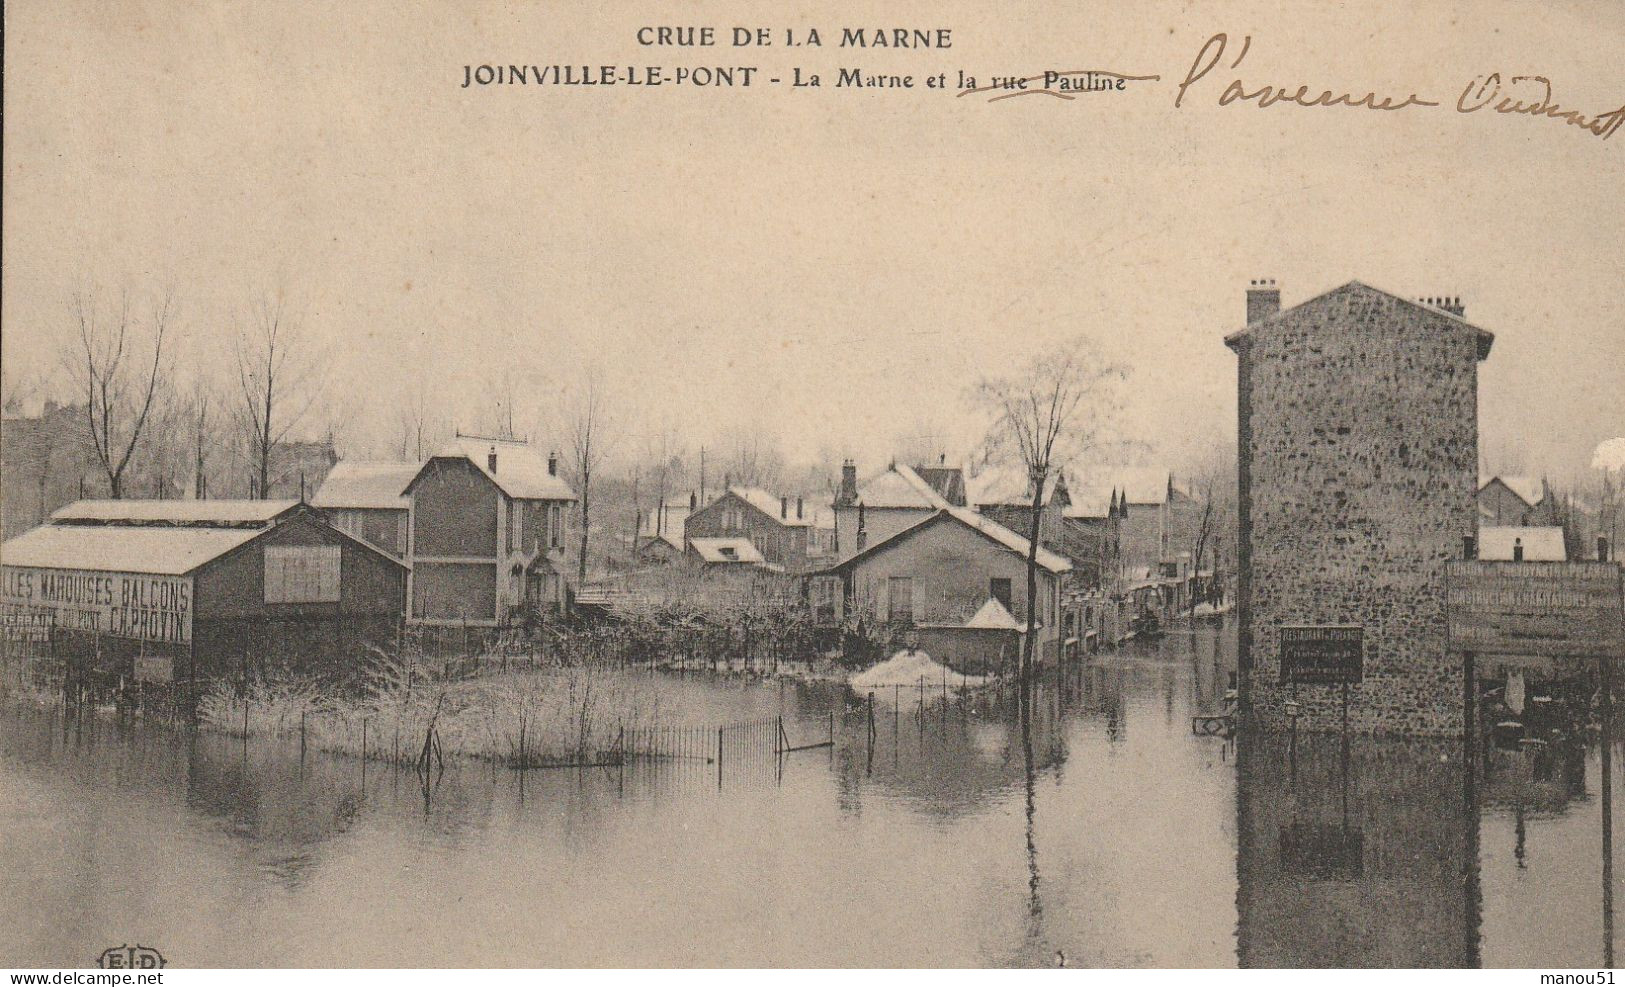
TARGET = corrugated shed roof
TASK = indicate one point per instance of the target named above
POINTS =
(727, 550)
(174, 512)
(360, 484)
(118, 548)
(521, 471)
(1528, 488)
(1540, 544)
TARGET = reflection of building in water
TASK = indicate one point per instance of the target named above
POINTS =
(1368, 861)
(1358, 442)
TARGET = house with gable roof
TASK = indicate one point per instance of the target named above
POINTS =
(488, 534)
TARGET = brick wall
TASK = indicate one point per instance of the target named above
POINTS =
(1358, 469)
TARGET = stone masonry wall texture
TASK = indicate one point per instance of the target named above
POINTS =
(1359, 448)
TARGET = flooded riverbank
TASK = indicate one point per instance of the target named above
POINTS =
(1104, 832)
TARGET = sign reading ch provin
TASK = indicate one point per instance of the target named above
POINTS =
(1322, 654)
(1552, 609)
(150, 608)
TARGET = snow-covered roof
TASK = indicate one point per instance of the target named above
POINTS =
(993, 615)
(360, 484)
(1540, 544)
(900, 486)
(1089, 501)
(119, 548)
(1529, 489)
(521, 471)
(986, 526)
(1009, 539)
(727, 550)
(1005, 485)
(172, 512)
(783, 510)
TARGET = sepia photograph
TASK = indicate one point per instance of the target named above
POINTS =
(520, 484)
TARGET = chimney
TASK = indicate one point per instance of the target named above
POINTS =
(847, 495)
(1445, 303)
(1469, 547)
(552, 464)
(491, 459)
(801, 508)
(1263, 299)
(1517, 549)
(784, 508)
(1602, 548)
(693, 501)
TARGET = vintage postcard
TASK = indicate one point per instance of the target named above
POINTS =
(522, 484)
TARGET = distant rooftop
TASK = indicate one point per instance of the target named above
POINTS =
(361, 484)
(1540, 544)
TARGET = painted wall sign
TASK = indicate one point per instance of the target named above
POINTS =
(1535, 608)
(1322, 654)
(119, 604)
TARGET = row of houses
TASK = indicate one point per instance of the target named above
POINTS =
(942, 552)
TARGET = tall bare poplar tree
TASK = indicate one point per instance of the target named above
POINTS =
(277, 382)
(1053, 411)
(589, 427)
(118, 364)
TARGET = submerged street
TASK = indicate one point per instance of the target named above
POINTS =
(1104, 834)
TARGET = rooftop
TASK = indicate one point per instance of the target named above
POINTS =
(1543, 544)
(1529, 489)
(115, 548)
(985, 526)
(521, 471)
(900, 486)
(361, 484)
(1485, 338)
(727, 550)
(172, 513)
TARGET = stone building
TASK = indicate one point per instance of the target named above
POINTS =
(1358, 466)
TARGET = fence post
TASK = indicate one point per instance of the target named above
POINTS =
(719, 759)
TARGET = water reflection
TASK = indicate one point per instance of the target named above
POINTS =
(1088, 825)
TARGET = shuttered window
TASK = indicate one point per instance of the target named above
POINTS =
(302, 573)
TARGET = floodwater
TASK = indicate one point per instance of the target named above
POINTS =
(1105, 833)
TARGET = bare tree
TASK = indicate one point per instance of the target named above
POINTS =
(118, 363)
(1054, 410)
(752, 457)
(589, 426)
(277, 381)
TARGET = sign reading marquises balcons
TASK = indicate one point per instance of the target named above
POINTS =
(1535, 608)
(1322, 654)
(142, 607)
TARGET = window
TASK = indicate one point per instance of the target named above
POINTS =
(900, 599)
(555, 525)
(302, 573)
(516, 526)
(999, 589)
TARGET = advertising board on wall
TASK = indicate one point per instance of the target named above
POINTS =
(155, 609)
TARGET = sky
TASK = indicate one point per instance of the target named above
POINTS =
(836, 266)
